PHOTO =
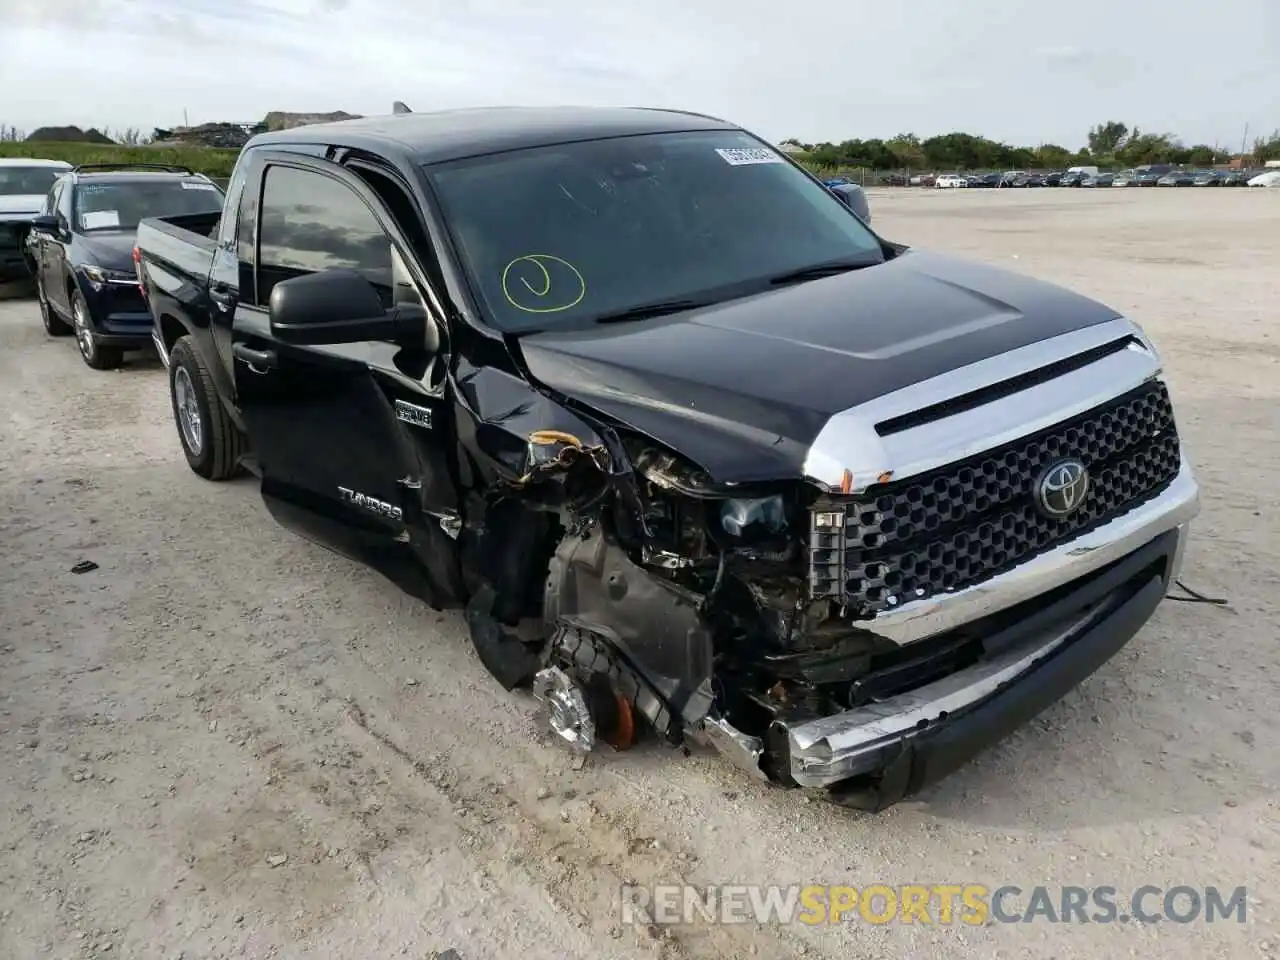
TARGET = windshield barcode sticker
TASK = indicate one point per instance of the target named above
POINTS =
(193, 185)
(100, 219)
(742, 156)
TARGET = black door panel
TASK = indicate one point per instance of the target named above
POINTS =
(338, 464)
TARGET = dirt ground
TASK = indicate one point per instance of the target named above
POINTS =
(219, 694)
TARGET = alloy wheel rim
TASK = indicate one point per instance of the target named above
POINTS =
(184, 403)
(84, 336)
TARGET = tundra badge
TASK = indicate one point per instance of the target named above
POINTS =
(380, 507)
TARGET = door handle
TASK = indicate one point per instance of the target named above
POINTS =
(259, 361)
(221, 295)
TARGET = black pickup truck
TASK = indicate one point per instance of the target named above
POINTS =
(700, 454)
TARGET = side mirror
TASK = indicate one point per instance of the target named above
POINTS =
(46, 224)
(340, 306)
(855, 198)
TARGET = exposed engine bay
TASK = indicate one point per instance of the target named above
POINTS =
(639, 598)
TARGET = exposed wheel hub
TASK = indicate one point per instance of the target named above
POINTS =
(566, 702)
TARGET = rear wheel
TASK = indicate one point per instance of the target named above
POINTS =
(96, 355)
(54, 325)
(211, 441)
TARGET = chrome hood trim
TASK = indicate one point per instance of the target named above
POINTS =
(849, 441)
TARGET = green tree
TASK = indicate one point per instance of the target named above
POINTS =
(1268, 149)
(1106, 138)
(1143, 148)
(1050, 156)
(1201, 156)
(906, 149)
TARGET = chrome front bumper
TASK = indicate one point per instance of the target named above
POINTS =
(831, 749)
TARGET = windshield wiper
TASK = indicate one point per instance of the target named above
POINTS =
(820, 270)
(645, 311)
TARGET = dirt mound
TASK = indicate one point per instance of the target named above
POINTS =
(69, 135)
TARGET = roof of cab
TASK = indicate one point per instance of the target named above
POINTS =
(452, 134)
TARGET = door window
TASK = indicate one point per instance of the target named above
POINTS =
(63, 210)
(51, 201)
(231, 205)
(310, 222)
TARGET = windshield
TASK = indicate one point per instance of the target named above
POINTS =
(561, 235)
(121, 204)
(27, 181)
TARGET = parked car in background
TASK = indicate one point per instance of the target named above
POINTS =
(85, 278)
(24, 184)
(1053, 178)
(892, 180)
(1146, 178)
(923, 180)
(1098, 180)
(985, 180)
(1028, 180)
(1207, 178)
(1234, 178)
(1072, 178)
(1178, 178)
(1125, 178)
(1270, 178)
(949, 181)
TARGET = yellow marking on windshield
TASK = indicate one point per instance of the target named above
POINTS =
(564, 294)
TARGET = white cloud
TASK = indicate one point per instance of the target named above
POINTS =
(1019, 70)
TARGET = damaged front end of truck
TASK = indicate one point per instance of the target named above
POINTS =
(661, 602)
(816, 631)
(637, 597)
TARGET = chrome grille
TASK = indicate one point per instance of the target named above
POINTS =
(964, 523)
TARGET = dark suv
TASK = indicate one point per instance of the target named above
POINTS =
(83, 251)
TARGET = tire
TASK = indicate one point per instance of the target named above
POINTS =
(54, 325)
(212, 443)
(94, 354)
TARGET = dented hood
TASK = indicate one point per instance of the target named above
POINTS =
(743, 388)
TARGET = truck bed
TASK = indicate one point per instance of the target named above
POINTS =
(182, 244)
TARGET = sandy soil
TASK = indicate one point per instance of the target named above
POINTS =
(219, 694)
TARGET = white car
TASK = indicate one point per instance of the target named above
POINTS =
(24, 184)
(950, 180)
(1269, 179)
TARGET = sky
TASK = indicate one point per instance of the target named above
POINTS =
(1022, 72)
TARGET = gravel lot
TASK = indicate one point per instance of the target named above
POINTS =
(219, 694)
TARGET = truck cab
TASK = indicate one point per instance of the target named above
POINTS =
(698, 454)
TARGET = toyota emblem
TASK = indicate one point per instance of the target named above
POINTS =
(1062, 488)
